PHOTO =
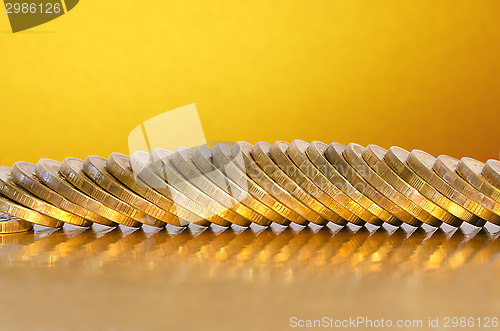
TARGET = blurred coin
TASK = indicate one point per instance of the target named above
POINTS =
(491, 171)
(72, 170)
(422, 163)
(470, 170)
(296, 151)
(119, 166)
(484, 207)
(315, 152)
(334, 154)
(145, 212)
(318, 213)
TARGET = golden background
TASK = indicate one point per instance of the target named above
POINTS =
(416, 74)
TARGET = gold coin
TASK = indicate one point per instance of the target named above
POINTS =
(24, 174)
(318, 213)
(470, 170)
(183, 160)
(119, 166)
(491, 171)
(14, 191)
(316, 153)
(413, 214)
(72, 170)
(221, 155)
(278, 153)
(145, 212)
(241, 155)
(48, 172)
(374, 156)
(334, 154)
(396, 158)
(479, 204)
(422, 164)
(10, 224)
(143, 169)
(161, 162)
(12, 208)
(202, 158)
(296, 151)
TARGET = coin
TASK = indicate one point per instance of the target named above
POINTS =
(396, 158)
(202, 158)
(479, 204)
(334, 154)
(422, 163)
(11, 224)
(24, 174)
(491, 171)
(145, 212)
(296, 152)
(161, 162)
(240, 154)
(119, 166)
(12, 190)
(48, 172)
(221, 156)
(414, 215)
(142, 168)
(278, 153)
(470, 170)
(374, 156)
(182, 160)
(72, 170)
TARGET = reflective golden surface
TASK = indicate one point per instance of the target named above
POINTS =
(150, 279)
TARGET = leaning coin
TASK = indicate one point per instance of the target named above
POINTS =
(11, 224)
(14, 191)
(48, 172)
(72, 170)
(296, 152)
(422, 163)
(183, 160)
(374, 156)
(484, 207)
(145, 212)
(278, 153)
(24, 174)
(396, 158)
(491, 171)
(16, 210)
(470, 170)
(119, 166)
(140, 162)
(221, 156)
(241, 154)
(161, 162)
(414, 215)
(202, 158)
(320, 213)
(316, 154)
(334, 154)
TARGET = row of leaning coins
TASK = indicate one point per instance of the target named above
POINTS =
(297, 183)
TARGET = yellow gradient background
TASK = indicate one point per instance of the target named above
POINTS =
(419, 74)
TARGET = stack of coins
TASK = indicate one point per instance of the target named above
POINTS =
(245, 184)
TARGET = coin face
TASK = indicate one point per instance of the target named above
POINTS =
(470, 170)
(479, 204)
(422, 163)
(334, 154)
(72, 170)
(11, 224)
(491, 171)
(24, 174)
